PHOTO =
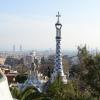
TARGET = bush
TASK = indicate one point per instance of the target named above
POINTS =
(21, 78)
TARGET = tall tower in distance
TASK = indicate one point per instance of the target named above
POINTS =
(58, 69)
(20, 48)
(14, 48)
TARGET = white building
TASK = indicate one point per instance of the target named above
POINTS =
(4, 88)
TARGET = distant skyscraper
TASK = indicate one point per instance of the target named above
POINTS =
(20, 48)
(14, 48)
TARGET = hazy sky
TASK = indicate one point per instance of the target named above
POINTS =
(32, 23)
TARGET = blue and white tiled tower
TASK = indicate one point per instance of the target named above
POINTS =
(58, 69)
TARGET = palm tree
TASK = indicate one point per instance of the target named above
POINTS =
(16, 93)
(31, 93)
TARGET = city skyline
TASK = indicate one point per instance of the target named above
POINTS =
(31, 23)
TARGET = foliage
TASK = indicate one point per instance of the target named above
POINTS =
(56, 91)
(11, 61)
(89, 71)
(69, 91)
(30, 93)
(21, 68)
(16, 93)
(21, 78)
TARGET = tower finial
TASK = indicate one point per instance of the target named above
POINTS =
(58, 16)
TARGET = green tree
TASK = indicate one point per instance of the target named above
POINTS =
(31, 93)
(16, 93)
(21, 78)
(22, 69)
(89, 71)
(69, 91)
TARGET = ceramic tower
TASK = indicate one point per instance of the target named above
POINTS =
(58, 69)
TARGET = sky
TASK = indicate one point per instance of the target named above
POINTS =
(31, 23)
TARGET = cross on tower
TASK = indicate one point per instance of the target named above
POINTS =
(58, 16)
